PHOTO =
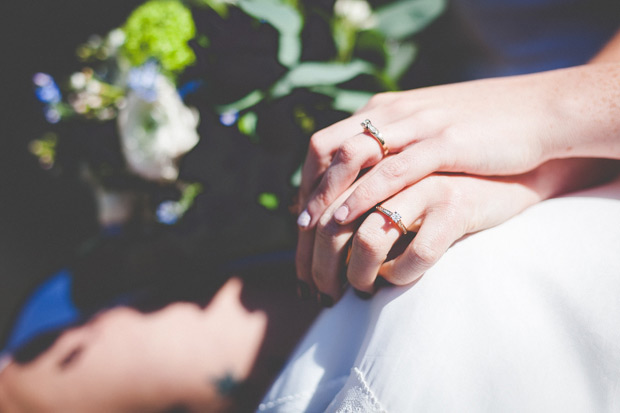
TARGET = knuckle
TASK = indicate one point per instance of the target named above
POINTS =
(376, 100)
(381, 98)
(317, 145)
(451, 133)
(396, 167)
(426, 254)
(364, 193)
(346, 153)
(451, 142)
(452, 208)
(368, 243)
(322, 198)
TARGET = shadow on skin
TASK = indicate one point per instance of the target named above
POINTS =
(183, 357)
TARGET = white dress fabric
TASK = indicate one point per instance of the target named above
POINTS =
(523, 317)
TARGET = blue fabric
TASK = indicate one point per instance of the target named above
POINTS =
(526, 36)
(49, 308)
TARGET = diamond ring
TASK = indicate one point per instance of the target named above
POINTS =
(394, 216)
(374, 132)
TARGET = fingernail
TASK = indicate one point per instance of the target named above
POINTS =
(303, 290)
(362, 294)
(325, 300)
(304, 219)
(341, 213)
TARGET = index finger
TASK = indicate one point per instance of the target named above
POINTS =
(321, 149)
(389, 177)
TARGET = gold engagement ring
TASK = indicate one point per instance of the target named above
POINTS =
(374, 132)
(394, 216)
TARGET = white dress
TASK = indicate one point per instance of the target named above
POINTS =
(523, 317)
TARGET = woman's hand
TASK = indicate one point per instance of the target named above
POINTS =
(441, 208)
(502, 126)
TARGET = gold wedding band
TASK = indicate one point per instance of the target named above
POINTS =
(394, 216)
(374, 132)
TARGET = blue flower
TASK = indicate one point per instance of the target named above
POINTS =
(47, 90)
(143, 79)
(52, 115)
(189, 87)
(169, 212)
(229, 118)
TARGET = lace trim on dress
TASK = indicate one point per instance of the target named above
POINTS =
(307, 395)
(359, 398)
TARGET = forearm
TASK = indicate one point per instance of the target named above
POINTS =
(585, 104)
(597, 90)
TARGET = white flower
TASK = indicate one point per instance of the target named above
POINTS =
(116, 38)
(154, 134)
(358, 12)
(78, 80)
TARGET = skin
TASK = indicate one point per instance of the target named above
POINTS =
(184, 357)
(463, 157)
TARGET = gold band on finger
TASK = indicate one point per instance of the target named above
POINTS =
(394, 216)
(374, 132)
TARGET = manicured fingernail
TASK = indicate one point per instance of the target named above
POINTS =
(341, 213)
(304, 219)
(362, 294)
(303, 290)
(325, 300)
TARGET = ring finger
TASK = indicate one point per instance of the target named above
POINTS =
(378, 234)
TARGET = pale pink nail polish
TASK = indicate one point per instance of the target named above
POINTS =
(341, 213)
(304, 219)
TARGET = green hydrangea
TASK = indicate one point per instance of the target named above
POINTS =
(160, 29)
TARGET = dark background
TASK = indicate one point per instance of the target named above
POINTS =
(42, 219)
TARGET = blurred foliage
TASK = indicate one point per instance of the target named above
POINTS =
(160, 29)
(261, 75)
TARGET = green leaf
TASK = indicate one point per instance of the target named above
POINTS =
(269, 200)
(405, 18)
(319, 74)
(296, 177)
(247, 124)
(286, 19)
(400, 58)
(245, 102)
(345, 100)
(371, 40)
(190, 192)
(344, 38)
(289, 49)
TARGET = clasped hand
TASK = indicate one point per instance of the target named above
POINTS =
(462, 158)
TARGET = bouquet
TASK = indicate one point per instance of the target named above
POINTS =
(193, 117)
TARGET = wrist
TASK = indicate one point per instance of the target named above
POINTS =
(584, 111)
(562, 176)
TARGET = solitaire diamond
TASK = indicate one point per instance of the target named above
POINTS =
(396, 216)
